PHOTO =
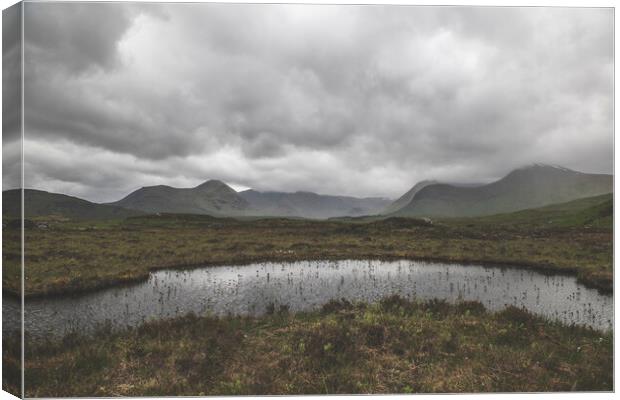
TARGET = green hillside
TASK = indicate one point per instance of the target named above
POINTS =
(212, 197)
(591, 212)
(406, 198)
(38, 203)
(524, 188)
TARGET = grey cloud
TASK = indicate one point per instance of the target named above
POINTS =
(74, 36)
(11, 97)
(360, 100)
(11, 73)
(11, 165)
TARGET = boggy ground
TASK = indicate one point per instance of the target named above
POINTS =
(394, 346)
(65, 256)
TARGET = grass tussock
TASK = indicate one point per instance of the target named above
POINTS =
(394, 346)
(11, 364)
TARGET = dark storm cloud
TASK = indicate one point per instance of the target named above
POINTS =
(74, 36)
(11, 73)
(361, 100)
(11, 98)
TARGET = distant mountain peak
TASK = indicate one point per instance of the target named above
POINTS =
(213, 184)
(155, 186)
(212, 197)
(539, 166)
(427, 182)
(407, 197)
(531, 186)
(309, 204)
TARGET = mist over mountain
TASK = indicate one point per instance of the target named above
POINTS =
(311, 205)
(346, 99)
(216, 198)
(528, 187)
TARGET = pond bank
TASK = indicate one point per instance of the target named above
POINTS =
(305, 285)
(394, 346)
(69, 257)
(77, 287)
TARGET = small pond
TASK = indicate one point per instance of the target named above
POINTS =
(306, 285)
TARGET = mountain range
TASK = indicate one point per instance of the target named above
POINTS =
(311, 205)
(529, 187)
(216, 198)
(533, 186)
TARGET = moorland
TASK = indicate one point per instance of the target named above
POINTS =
(71, 256)
(396, 345)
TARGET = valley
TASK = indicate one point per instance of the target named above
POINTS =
(279, 199)
(160, 242)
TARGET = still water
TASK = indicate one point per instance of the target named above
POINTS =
(251, 289)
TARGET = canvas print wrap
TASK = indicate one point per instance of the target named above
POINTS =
(279, 199)
(12, 228)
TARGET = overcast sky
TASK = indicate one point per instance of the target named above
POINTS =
(354, 100)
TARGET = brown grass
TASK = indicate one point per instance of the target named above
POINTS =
(395, 346)
(71, 257)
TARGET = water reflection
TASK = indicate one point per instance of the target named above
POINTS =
(251, 289)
